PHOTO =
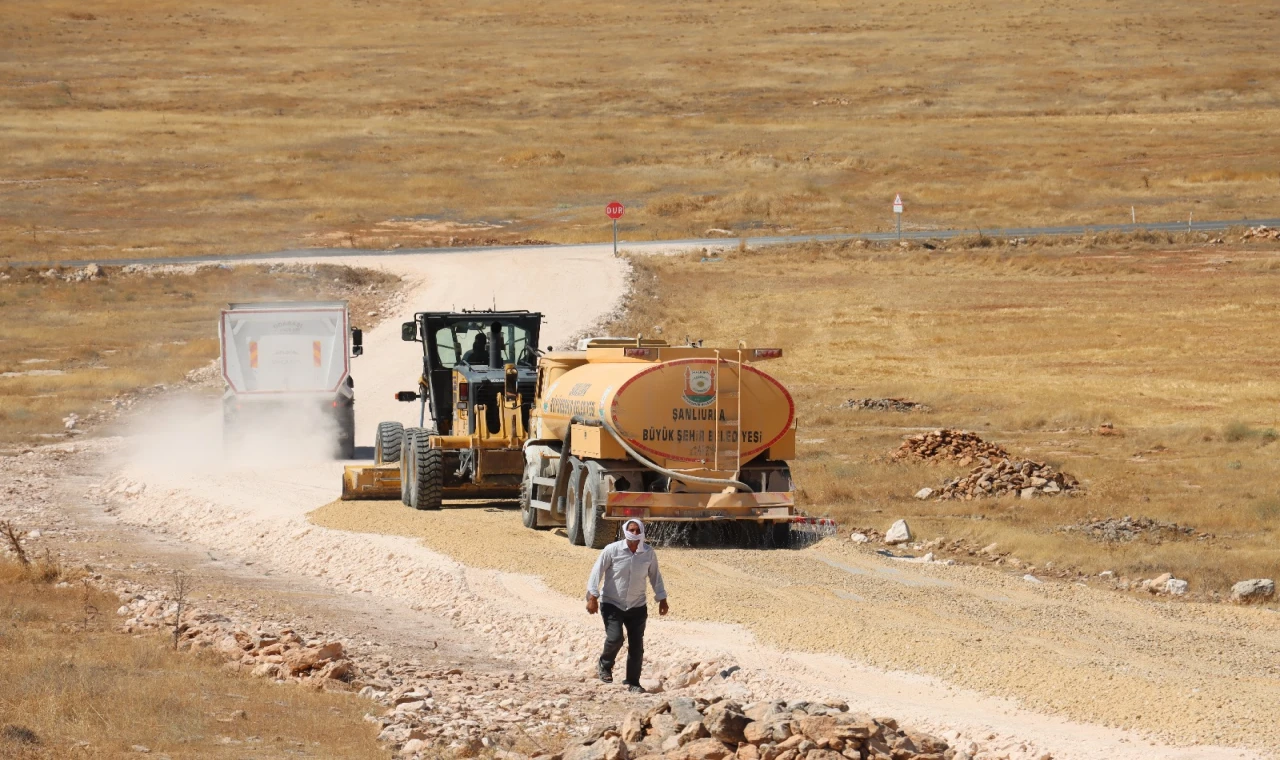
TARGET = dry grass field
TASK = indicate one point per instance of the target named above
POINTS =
(71, 346)
(1033, 348)
(71, 687)
(158, 128)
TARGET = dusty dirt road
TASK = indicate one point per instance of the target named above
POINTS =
(1023, 669)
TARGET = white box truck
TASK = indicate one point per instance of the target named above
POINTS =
(287, 361)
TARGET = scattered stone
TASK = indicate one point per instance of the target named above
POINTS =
(1175, 587)
(898, 533)
(859, 538)
(685, 711)
(725, 721)
(1256, 590)
(885, 405)
(948, 444)
(924, 493)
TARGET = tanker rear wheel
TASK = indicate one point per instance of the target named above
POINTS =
(573, 503)
(386, 443)
(597, 532)
(528, 512)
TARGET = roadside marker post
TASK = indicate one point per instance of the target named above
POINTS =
(614, 211)
(897, 212)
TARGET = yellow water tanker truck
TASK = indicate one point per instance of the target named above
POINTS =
(630, 427)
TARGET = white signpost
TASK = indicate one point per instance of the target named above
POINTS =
(897, 211)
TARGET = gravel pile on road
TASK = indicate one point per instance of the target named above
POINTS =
(948, 444)
(885, 405)
(698, 729)
(1125, 529)
(1024, 477)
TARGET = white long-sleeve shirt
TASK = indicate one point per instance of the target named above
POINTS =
(619, 576)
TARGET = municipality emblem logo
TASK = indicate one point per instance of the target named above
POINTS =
(699, 387)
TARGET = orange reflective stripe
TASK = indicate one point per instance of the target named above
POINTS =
(253, 354)
(315, 352)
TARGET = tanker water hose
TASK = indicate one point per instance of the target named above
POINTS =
(671, 473)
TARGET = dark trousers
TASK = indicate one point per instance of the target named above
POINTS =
(615, 619)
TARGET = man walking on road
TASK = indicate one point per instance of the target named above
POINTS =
(617, 590)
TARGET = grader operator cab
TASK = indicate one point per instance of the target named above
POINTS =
(475, 394)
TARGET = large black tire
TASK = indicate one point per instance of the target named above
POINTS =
(426, 482)
(386, 443)
(346, 443)
(406, 468)
(573, 502)
(597, 532)
(528, 513)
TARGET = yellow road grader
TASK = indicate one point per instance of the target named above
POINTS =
(623, 427)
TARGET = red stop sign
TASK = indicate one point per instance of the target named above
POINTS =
(614, 210)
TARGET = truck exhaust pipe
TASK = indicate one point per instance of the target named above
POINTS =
(495, 345)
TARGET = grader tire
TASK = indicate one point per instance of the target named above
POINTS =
(597, 532)
(426, 491)
(406, 463)
(386, 444)
(573, 503)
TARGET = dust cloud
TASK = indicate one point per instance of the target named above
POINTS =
(188, 436)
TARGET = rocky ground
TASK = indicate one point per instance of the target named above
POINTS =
(1125, 529)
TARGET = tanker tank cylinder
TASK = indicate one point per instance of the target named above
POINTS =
(686, 414)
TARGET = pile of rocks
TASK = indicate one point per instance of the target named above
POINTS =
(1261, 232)
(885, 405)
(947, 444)
(1125, 529)
(83, 274)
(425, 712)
(698, 729)
(279, 653)
(1025, 478)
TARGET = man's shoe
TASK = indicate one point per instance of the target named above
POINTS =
(605, 675)
(636, 688)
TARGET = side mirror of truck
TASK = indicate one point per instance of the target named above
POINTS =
(407, 396)
(409, 331)
(357, 341)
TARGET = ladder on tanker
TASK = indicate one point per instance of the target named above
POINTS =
(727, 421)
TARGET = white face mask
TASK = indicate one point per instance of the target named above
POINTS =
(630, 532)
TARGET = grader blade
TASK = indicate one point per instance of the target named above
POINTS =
(370, 481)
